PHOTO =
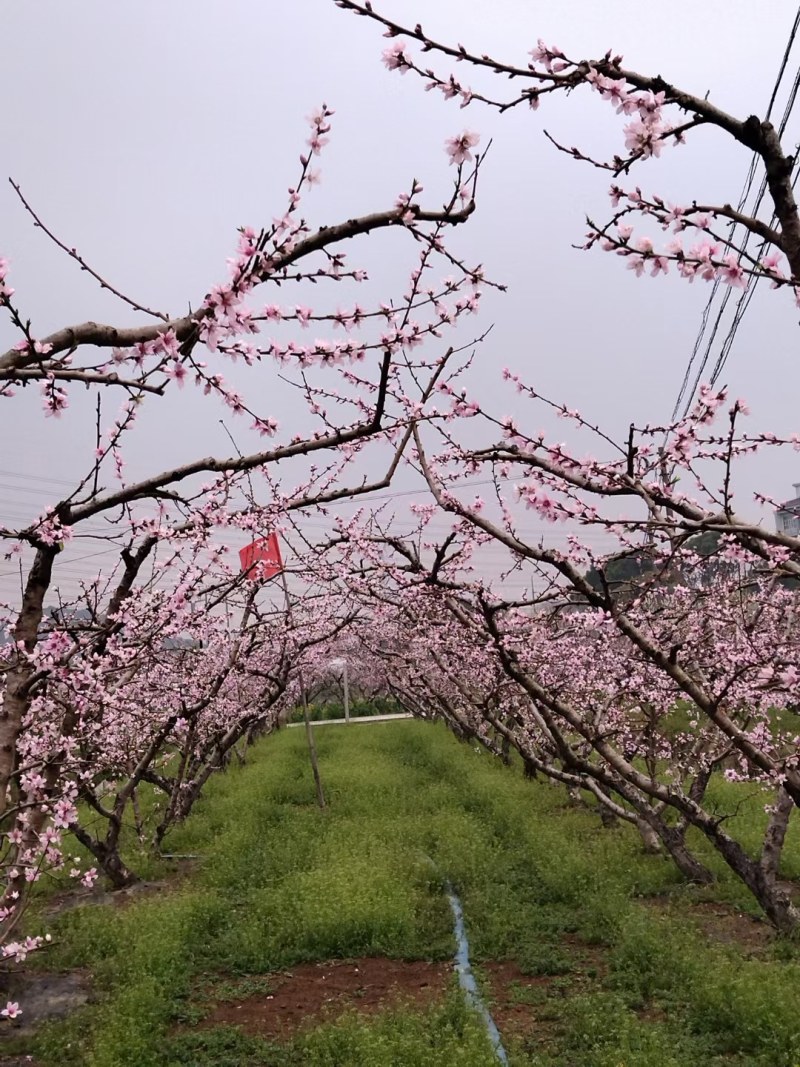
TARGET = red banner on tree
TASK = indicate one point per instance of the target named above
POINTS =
(262, 559)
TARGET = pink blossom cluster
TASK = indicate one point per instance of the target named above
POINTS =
(6, 292)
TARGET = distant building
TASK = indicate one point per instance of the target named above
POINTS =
(787, 516)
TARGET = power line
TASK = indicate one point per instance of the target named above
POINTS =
(753, 280)
(69, 562)
(745, 299)
(784, 61)
(36, 478)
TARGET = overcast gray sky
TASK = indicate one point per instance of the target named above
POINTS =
(145, 133)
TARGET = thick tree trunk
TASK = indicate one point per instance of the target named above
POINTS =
(108, 859)
(505, 750)
(137, 815)
(16, 698)
(650, 839)
(776, 834)
(760, 880)
(775, 901)
(674, 840)
(607, 817)
(181, 803)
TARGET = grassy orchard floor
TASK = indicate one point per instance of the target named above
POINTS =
(614, 964)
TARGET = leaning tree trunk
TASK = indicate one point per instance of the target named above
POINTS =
(674, 840)
(14, 705)
(651, 842)
(108, 858)
(16, 695)
(760, 878)
(775, 835)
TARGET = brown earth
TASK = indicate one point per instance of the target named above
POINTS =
(312, 993)
(722, 923)
(517, 1001)
(529, 1006)
(727, 925)
(78, 896)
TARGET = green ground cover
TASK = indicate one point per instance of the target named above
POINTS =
(334, 709)
(619, 964)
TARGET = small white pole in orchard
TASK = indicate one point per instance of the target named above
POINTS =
(346, 696)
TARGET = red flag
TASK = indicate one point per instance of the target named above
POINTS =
(262, 559)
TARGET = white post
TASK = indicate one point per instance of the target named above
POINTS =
(346, 696)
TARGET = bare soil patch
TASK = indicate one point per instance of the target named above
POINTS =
(590, 959)
(312, 993)
(725, 924)
(792, 887)
(43, 997)
(80, 897)
(527, 1008)
(516, 1000)
(722, 923)
(530, 1007)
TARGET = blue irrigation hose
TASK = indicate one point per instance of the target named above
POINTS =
(466, 979)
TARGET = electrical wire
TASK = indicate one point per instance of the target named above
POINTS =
(684, 395)
(750, 288)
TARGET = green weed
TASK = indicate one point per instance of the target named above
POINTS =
(410, 809)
